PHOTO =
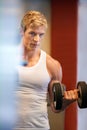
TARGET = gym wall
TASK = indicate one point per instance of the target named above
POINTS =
(82, 60)
(64, 49)
(69, 46)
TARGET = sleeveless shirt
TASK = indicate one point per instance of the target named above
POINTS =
(32, 96)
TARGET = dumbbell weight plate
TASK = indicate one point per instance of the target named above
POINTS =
(82, 100)
(58, 90)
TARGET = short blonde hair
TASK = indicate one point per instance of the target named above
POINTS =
(33, 18)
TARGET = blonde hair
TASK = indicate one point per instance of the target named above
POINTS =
(33, 18)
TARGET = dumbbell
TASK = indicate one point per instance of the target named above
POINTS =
(58, 94)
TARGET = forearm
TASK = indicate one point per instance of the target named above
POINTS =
(66, 103)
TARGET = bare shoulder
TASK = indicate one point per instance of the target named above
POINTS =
(54, 68)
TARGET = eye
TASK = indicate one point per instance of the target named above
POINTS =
(41, 35)
(32, 33)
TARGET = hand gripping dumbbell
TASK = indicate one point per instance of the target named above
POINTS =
(58, 94)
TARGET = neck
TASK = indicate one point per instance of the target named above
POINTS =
(31, 58)
(29, 55)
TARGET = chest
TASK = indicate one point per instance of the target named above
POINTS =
(37, 77)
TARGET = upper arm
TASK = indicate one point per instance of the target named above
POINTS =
(58, 71)
(54, 69)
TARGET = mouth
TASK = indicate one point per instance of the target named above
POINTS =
(34, 45)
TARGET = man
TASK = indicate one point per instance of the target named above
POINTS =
(37, 73)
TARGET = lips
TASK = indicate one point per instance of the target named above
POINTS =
(34, 45)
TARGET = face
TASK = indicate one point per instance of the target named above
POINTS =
(32, 37)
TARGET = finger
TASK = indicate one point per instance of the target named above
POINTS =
(75, 93)
(72, 94)
(67, 95)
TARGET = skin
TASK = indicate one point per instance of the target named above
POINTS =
(31, 40)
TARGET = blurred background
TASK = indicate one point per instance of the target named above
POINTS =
(65, 40)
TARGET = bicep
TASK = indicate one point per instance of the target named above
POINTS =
(54, 68)
(57, 72)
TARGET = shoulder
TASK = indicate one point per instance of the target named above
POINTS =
(54, 68)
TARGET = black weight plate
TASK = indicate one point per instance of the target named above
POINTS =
(82, 100)
(58, 98)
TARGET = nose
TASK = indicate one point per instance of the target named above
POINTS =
(36, 38)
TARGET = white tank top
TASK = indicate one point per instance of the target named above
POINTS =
(32, 95)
